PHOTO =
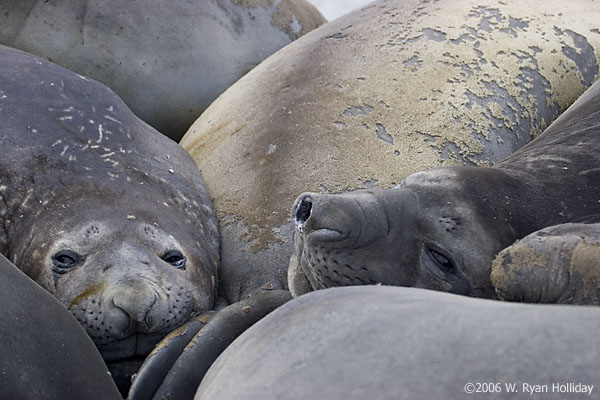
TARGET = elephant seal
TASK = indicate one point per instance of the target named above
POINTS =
(559, 264)
(100, 209)
(364, 101)
(441, 229)
(407, 343)
(46, 354)
(168, 61)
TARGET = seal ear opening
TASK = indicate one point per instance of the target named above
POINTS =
(302, 210)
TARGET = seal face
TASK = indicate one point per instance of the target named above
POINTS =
(441, 229)
(104, 212)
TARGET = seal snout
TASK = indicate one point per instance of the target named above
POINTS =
(132, 308)
(336, 217)
(338, 234)
(320, 216)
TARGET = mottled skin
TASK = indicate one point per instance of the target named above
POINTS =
(441, 229)
(390, 89)
(100, 209)
(361, 343)
(559, 264)
(45, 353)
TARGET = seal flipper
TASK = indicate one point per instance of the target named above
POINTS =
(156, 366)
(558, 264)
(187, 371)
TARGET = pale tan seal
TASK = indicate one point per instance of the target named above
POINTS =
(364, 101)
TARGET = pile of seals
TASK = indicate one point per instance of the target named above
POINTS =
(364, 101)
(113, 220)
(441, 229)
(100, 209)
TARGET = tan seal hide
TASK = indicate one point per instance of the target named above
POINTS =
(393, 88)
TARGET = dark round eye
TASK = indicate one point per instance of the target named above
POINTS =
(64, 260)
(175, 258)
(441, 261)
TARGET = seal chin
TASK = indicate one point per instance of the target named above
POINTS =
(135, 345)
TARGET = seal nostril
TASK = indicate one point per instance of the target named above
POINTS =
(148, 320)
(303, 211)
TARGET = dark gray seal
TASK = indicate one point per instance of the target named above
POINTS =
(46, 354)
(100, 209)
(559, 264)
(442, 228)
(406, 343)
(167, 60)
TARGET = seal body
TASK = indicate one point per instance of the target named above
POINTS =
(100, 209)
(45, 352)
(442, 228)
(366, 100)
(558, 264)
(393, 343)
(168, 61)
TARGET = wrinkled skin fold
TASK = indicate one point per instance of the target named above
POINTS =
(559, 264)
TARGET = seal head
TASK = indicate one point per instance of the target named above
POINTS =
(100, 209)
(128, 272)
(428, 233)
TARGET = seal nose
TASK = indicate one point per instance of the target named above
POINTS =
(135, 302)
(302, 209)
(337, 217)
(330, 214)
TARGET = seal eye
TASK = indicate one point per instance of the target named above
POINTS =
(175, 258)
(441, 261)
(64, 260)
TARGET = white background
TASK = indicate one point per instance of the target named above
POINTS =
(331, 9)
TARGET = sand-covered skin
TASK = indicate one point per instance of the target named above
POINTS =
(559, 264)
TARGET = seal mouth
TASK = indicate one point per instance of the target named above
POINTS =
(326, 235)
(135, 345)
